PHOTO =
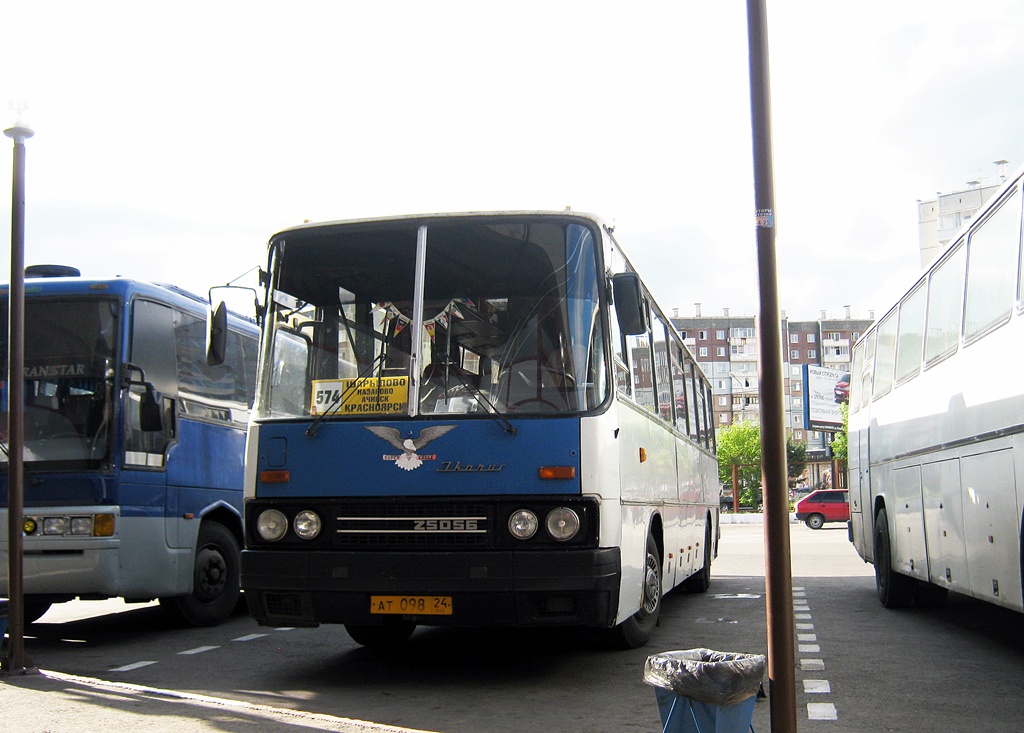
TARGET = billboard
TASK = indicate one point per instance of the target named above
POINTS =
(826, 390)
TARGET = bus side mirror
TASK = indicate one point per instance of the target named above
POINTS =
(149, 411)
(216, 334)
(629, 303)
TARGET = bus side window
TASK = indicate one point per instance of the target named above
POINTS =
(153, 351)
(620, 365)
(679, 389)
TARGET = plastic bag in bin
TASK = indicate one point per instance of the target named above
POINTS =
(719, 678)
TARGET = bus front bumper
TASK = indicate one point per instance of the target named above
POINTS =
(498, 588)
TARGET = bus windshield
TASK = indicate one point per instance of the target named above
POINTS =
(455, 316)
(69, 370)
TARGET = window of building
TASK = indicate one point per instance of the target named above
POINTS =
(835, 336)
(812, 338)
(703, 351)
(794, 338)
(794, 354)
(720, 335)
(702, 335)
(812, 353)
(720, 350)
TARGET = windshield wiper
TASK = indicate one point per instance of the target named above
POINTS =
(339, 399)
(494, 412)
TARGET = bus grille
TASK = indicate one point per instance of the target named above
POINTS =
(414, 526)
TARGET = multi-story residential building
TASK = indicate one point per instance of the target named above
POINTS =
(726, 347)
(939, 219)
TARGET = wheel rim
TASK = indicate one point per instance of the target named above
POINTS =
(652, 585)
(211, 574)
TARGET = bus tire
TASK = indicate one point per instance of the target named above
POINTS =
(815, 521)
(636, 630)
(700, 581)
(389, 635)
(894, 589)
(215, 582)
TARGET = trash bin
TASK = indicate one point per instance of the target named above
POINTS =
(704, 691)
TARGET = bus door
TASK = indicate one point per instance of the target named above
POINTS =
(858, 454)
(152, 374)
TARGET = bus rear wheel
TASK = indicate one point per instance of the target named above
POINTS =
(215, 581)
(636, 630)
(894, 589)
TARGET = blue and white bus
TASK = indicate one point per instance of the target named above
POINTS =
(936, 431)
(472, 419)
(133, 446)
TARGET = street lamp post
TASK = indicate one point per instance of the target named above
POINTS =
(15, 663)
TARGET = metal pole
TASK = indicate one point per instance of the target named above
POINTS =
(778, 573)
(16, 659)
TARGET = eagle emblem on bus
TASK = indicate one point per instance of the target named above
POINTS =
(409, 459)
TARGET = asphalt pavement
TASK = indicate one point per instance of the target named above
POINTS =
(48, 701)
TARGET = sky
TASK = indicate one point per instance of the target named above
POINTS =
(173, 140)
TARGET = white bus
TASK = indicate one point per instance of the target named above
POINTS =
(472, 419)
(936, 431)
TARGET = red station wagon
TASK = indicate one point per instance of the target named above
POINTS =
(824, 505)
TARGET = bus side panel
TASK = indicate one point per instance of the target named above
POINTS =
(991, 527)
(204, 467)
(944, 524)
(909, 554)
(635, 511)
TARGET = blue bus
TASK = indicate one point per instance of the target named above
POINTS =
(133, 446)
(472, 419)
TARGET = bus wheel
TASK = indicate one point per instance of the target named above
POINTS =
(636, 630)
(389, 635)
(215, 582)
(700, 581)
(815, 521)
(894, 590)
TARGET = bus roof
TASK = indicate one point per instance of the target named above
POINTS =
(424, 218)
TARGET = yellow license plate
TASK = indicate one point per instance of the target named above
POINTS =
(412, 605)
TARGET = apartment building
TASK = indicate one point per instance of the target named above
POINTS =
(726, 347)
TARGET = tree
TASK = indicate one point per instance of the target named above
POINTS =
(740, 445)
(840, 445)
(796, 459)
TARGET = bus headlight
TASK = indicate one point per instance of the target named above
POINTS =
(81, 526)
(271, 525)
(307, 524)
(523, 524)
(562, 523)
(55, 525)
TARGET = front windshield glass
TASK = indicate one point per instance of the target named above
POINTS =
(509, 321)
(69, 367)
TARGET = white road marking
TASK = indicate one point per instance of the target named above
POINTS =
(816, 687)
(806, 637)
(199, 650)
(815, 665)
(809, 648)
(249, 637)
(822, 711)
(130, 667)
